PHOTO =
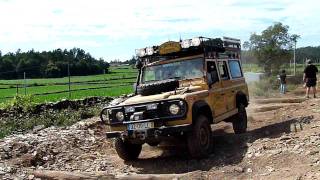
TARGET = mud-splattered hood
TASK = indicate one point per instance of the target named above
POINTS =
(179, 93)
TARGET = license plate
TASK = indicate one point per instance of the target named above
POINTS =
(139, 126)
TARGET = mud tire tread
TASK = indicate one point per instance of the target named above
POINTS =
(126, 150)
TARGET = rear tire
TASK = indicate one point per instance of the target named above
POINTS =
(200, 140)
(240, 122)
(126, 150)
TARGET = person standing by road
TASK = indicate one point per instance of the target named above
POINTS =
(310, 78)
(283, 82)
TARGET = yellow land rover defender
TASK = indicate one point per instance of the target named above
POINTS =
(182, 89)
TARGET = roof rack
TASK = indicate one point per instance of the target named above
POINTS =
(232, 44)
(213, 47)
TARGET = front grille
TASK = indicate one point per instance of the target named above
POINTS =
(147, 114)
(162, 112)
(151, 114)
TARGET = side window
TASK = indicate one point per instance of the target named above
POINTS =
(223, 70)
(235, 69)
(212, 72)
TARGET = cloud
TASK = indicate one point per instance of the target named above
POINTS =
(126, 24)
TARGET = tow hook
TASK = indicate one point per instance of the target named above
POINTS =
(141, 135)
(157, 133)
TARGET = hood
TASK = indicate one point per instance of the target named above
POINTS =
(179, 93)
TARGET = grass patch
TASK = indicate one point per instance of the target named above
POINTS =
(251, 68)
(18, 116)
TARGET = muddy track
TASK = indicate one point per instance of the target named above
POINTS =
(281, 143)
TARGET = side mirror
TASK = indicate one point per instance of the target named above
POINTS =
(134, 86)
(139, 64)
(210, 80)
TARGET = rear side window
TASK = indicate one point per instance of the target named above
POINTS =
(235, 69)
(223, 70)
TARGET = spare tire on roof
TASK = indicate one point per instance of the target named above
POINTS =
(157, 87)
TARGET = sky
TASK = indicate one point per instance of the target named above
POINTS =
(114, 29)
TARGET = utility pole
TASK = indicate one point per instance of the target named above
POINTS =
(294, 38)
(294, 58)
(25, 83)
(69, 85)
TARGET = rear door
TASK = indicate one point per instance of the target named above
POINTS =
(235, 84)
(216, 101)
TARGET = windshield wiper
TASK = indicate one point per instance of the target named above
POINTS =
(150, 81)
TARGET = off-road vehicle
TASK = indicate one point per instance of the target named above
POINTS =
(182, 89)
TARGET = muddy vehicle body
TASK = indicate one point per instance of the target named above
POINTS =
(182, 89)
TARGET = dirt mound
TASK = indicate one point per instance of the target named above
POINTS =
(78, 147)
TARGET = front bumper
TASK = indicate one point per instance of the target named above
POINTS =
(151, 133)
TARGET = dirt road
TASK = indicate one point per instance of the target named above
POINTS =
(282, 142)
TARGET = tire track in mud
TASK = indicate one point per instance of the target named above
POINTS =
(83, 151)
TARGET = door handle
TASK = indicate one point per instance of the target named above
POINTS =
(222, 94)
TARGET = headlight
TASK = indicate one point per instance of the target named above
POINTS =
(141, 52)
(120, 116)
(149, 51)
(186, 43)
(105, 115)
(195, 42)
(174, 109)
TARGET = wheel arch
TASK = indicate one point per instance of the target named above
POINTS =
(241, 98)
(201, 107)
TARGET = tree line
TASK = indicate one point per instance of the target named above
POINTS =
(309, 52)
(302, 54)
(50, 64)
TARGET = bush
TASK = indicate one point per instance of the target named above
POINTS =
(296, 80)
(266, 86)
(20, 102)
(269, 86)
(25, 122)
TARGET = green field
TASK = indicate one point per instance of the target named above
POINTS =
(118, 81)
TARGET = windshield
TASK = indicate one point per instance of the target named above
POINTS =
(185, 69)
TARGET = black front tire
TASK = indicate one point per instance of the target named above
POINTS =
(240, 121)
(126, 150)
(200, 140)
(153, 143)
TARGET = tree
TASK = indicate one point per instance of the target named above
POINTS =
(52, 70)
(273, 47)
